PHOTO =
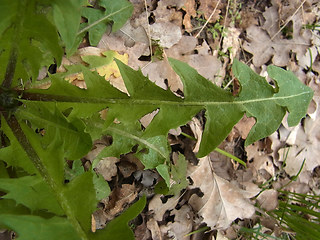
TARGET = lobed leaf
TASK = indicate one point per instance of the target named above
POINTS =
(116, 11)
(67, 15)
(257, 99)
(25, 191)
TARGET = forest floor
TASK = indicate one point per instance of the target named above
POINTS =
(223, 196)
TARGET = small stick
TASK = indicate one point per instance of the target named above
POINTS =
(206, 23)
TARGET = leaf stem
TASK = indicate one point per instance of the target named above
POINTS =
(12, 62)
(10, 68)
(34, 157)
(230, 156)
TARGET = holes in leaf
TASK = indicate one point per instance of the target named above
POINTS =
(67, 111)
(145, 58)
(40, 131)
(146, 119)
(287, 31)
(52, 68)
(151, 19)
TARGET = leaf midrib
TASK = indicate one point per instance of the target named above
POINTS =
(97, 100)
(138, 139)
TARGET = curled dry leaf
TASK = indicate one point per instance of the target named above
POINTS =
(222, 202)
(181, 226)
(190, 9)
(153, 226)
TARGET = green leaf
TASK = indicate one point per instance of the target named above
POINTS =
(179, 172)
(267, 104)
(77, 142)
(37, 228)
(3, 170)
(82, 200)
(101, 186)
(116, 11)
(77, 198)
(223, 110)
(25, 191)
(295, 98)
(28, 39)
(257, 99)
(153, 152)
(66, 15)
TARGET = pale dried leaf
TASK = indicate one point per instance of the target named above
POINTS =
(181, 225)
(167, 33)
(266, 44)
(158, 208)
(207, 7)
(153, 226)
(190, 9)
(268, 199)
(107, 167)
(222, 202)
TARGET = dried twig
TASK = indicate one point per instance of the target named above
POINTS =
(213, 12)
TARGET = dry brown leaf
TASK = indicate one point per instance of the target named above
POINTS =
(204, 62)
(119, 199)
(207, 7)
(268, 199)
(222, 202)
(107, 167)
(158, 208)
(259, 162)
(141, 232)
(306, 147)
(153, 226)
(244, 126)
(267, 41)
(181, 225)
(167, 33)
(190, 9)
(167, 11)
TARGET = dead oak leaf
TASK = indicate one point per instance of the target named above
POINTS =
(181, 226)
(267, 42)
(222, 201)
(190, 9)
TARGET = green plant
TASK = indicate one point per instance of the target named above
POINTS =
(215, 29)
(234, 11)
(299, 215)
(40, 191)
